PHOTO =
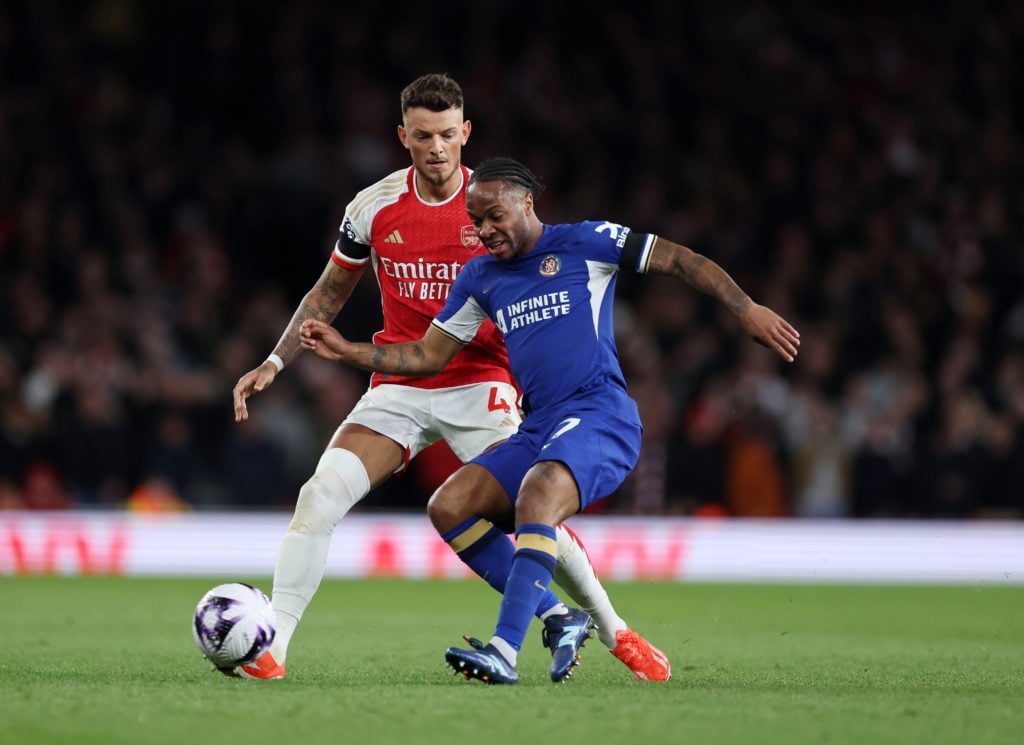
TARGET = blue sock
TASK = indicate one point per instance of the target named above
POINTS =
(532, 569)
(489, 552)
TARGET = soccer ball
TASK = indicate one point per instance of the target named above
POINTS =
(233, 624)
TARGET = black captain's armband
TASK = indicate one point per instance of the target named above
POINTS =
(348, 246)
(633, 250)
(353, 250)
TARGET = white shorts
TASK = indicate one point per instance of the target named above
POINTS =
(470, 417)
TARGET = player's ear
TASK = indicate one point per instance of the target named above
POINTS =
(467, 127)
(528, 203)
(403, 136)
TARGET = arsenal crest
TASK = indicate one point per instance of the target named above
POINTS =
(470, 239)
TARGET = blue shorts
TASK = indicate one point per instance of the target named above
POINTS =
(596, 436)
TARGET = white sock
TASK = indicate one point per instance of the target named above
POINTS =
(575, 574)
(339, 482)
(507, 650)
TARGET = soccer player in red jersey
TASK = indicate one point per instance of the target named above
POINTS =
(412, 229)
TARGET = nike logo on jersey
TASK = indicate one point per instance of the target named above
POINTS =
(395, 237)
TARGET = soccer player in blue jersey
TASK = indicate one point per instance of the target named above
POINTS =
(549, 289)
(411, 231)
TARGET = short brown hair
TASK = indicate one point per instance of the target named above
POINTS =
(435, 91)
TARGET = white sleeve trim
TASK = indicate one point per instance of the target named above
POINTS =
(464, 323)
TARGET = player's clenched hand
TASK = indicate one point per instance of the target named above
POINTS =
(322, 339)
(252, 382)
(771, 330)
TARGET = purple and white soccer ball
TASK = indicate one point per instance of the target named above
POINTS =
(233, 624)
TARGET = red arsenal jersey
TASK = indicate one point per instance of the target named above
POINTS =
(417, 248)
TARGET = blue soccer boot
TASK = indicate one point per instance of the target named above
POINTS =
(482, 662)
(565, 636)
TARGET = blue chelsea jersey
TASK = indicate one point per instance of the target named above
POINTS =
(553, 306)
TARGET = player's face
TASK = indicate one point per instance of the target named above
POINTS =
(435, 140)
(502, 215)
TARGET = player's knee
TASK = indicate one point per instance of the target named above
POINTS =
(452, 503)
(315, 511)
(446, 509)
(548, 494)
(547, 507)
(339, 482)
(469, 494)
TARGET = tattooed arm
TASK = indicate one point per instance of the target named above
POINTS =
(425, 357)
(700, 272)
(323, 302)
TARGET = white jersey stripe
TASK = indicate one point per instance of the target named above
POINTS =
(601, 274)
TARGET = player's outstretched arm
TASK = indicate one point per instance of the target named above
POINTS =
(252, 382)
(323, 301)
(762, 323)
(425, 357)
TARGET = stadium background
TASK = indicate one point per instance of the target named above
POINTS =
(172, 177)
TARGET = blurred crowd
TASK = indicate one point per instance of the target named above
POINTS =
(172, 176)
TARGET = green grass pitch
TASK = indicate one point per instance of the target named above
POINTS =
(110, 660)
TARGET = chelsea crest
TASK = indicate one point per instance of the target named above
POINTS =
(550, 265)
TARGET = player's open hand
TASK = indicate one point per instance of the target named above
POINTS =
(252, 382)
(771, 330)
(322, 339)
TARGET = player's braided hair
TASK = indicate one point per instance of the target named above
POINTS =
(436, 92)
(508, 171)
